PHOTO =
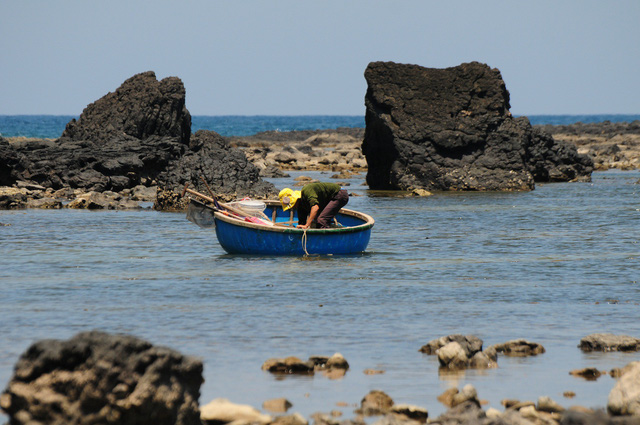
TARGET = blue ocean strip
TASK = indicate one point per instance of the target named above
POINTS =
(52, 126)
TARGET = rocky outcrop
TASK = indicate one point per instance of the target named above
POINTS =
(140, 108)
(140, 135)
(451, 129)
(96, 377)
(456, 352)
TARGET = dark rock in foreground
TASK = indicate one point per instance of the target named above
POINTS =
(100, 378)
(451, 129)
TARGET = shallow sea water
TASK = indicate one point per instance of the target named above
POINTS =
(552, 266)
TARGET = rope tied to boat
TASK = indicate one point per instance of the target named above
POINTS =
(304, 242)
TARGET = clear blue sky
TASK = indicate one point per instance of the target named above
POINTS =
(297, 57)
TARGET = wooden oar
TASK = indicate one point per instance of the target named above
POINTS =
(213, 201)
(263, 215)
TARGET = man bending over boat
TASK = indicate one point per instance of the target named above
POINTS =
(316, 202)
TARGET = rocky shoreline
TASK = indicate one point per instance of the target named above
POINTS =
(96, 377)
(610, 145)
(274, 153)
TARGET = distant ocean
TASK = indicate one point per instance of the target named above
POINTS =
(52, 126)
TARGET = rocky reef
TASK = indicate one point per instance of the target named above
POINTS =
(451, 129)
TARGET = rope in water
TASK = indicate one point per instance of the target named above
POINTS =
(304, 242)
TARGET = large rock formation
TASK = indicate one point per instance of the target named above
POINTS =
(451, 129)
(101, 378)
(141, 107)
(138, 135)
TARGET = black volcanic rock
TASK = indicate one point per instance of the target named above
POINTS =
(138, 135)
(11, 163)
(225, 169)
(141, 107)
(96, 377)
(451, 129)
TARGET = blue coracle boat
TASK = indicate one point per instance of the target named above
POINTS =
(276, 234)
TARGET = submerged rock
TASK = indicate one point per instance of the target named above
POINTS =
(609, 342)
(451, 129)
(289, 365)
(519, 348)
(588, 373)
(333, 367)
(96, 377)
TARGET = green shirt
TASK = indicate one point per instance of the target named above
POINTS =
(315, 194)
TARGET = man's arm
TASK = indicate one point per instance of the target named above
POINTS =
(312, 216)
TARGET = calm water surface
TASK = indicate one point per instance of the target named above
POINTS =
(552, 266)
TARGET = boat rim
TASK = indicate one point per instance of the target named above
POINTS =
(369, 222)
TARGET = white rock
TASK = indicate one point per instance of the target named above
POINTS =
(224, 411)
(624, 398)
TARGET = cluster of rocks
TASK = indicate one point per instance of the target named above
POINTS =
(96, 377)
(334, 150)
(334, 366)
(139, 135)
(451, 129)
(610, 145)
(27, 195)
(456, 352)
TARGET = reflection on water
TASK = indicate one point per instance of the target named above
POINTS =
(551, 265)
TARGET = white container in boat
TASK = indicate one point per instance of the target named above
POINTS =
(252, 207)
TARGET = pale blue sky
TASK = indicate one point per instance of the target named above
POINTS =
(297, 57)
